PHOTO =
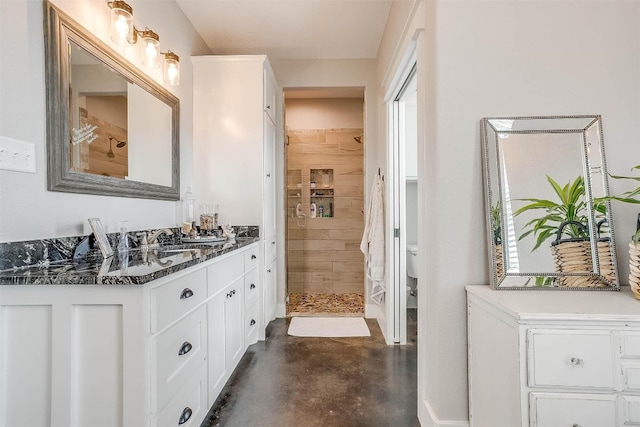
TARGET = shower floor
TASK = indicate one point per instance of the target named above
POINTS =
(314, 304)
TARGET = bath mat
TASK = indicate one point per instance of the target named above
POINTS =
(333, 327)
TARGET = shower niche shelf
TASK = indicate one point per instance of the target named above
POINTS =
(321, 192)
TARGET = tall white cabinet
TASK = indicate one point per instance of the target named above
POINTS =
(235, 119)
(546, 359)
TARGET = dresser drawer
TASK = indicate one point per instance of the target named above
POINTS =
(189, 407)
(570, 359)
(583, 410)
(251, 287)
(175, 298)
(224, 272)
(177, 353)
(631, 376)
(270, 252)
(251, 258)
(630, 412)
(631, 345)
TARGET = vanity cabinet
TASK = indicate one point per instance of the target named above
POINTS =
(542, 359)
(156, 354)
(236, 115)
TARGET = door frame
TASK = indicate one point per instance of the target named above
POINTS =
(396, 301)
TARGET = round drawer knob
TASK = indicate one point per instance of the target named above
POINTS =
(576, 361)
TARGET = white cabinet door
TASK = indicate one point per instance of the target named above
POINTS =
(217, 348)
(270, 292)
(233, 319)
(269, 183)
(269, 94)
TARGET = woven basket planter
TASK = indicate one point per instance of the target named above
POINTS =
(497, 256)
(574, 256)
(634, 268)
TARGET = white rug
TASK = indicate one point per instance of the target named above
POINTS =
(328, 327)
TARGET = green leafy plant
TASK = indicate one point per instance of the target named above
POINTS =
(571, 206)
(631, 196)
(496, 224)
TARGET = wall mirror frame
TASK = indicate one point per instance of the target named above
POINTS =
(62, 35)
(548, 222)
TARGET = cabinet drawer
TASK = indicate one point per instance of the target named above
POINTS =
(570, 358)
(630, 410)
(189, 406)
(177, 353)
(224, 272)
(270, 252)
(583, 410)
(251, 287)
(631, 376)
(251, 258)
(251, 325)
(631, 345)
(173, 299)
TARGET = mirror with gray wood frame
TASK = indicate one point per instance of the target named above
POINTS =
(111, 129)
(549, 224)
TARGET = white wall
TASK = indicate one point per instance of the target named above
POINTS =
(27, 209)
(492, 59)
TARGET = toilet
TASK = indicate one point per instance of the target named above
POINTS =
(413, 261)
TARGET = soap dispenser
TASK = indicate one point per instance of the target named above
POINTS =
(312, 210)
(189, 207)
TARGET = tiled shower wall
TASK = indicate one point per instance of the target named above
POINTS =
(324, 256)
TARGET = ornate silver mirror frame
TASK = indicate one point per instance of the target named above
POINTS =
(62, 36)
(549, 224)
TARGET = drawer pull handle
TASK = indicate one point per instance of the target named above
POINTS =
(186, 414)
(268, 107)
(231, 293)
(268, 175)
(186, 348)
(186, 293)
(253, 286)
(269, 271)
(253, 322)
(273, 243)
(253, 256)
(576, 425)
(575, 361)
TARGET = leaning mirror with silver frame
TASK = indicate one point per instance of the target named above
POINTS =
(549, 225)
(111, 129)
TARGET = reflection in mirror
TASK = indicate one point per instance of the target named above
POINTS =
(548, 226)
(111, 129)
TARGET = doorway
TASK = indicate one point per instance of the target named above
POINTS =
(324, 167)
(404, 202)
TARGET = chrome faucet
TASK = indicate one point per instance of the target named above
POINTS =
(150, 239)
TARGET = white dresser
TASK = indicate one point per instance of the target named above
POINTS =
(553, 359)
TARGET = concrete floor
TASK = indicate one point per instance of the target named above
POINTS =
(330, 382)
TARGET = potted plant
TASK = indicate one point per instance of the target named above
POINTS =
(567, 216)
(632, 196)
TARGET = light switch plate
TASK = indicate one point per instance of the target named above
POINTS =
(17, 155)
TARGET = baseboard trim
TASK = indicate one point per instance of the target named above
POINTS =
(428, 419)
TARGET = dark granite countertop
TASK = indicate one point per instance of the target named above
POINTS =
(134, 267)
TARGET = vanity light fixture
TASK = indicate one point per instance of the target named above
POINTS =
(171, 68)
(122, 31)
(151, 55)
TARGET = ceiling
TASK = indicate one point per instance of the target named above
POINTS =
(290, 29)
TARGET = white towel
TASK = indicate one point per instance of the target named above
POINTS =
(372, 244)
